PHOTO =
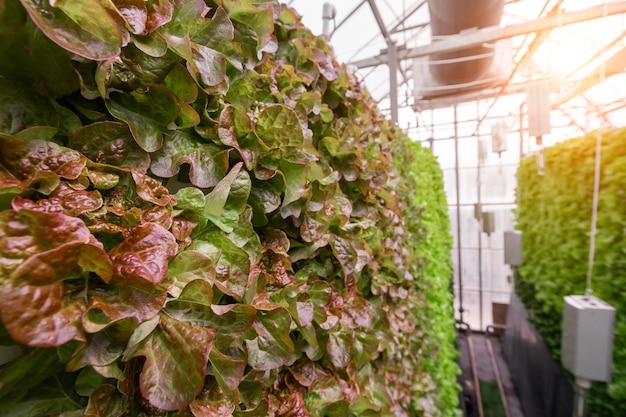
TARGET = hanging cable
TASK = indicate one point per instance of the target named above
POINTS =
(596, 192)
(594, 211)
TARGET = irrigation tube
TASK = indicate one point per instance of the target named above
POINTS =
(594, 211)
(480, 231)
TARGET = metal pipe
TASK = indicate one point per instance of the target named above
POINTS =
(393, 80)
(521, 129)
(392, 62)
(581, 389)
(480, 232)
(458, 213)
(328, 13)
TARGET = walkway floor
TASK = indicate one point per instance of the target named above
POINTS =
(486, 375)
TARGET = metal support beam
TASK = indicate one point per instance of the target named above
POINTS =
(614, 65)
(466, 96)
(407, 15)
(379, 20)
(392, 61)
(393, 81)
(492, 34)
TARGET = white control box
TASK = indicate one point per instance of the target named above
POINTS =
(513, 247)
(587, 338)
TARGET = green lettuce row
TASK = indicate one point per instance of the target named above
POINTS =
(429, 241)
(198, 217)
(554, 211)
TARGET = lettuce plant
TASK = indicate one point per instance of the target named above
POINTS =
(198, 216)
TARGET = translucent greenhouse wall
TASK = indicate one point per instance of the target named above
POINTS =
(478, 175)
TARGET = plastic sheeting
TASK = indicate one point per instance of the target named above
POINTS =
(541, 384)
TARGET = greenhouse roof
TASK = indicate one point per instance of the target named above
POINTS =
(578, 46)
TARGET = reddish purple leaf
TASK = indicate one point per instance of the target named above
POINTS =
(182, 228)
(159, 13)
(345, 254)
(41, 316)
(144, 254)
(157, 214)
(65, 262)
(64, 200)
(119, 301)
(306, 373)
(275, 240)
(24, 158)
(212, 408)
(293, 406)
(215, 402)
(26, 233)
(338, 348)
(278, 270)
(134, 13)
(357, 312)
(105, 401)
(151, 190)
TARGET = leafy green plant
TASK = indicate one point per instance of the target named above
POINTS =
(554, 215)
(429, 241)
(198, 217)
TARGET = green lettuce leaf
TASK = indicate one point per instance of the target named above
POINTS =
(109, 143)
(176, 358)
(228, 371)
(195, 306)
(147, 114)
(26, 372)
(49, 399)
(232, 263)
(272, 347)
(207, 163)
(182, 84)
(20, 108)
(186, 267)
(228, 200)
(278, 126)
(99, 350)
(259, 20)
